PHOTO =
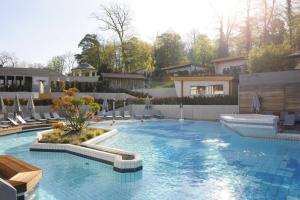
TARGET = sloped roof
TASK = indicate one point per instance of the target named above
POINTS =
(202, 78)
(227, 59)
(84, 66)
(179, 66)
(122, 76)
(295, 55)
(11, 71)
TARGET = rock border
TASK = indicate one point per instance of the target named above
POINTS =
(90, 150)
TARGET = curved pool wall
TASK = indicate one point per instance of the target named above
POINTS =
(89, 150)
(181, 161)
(251, 124)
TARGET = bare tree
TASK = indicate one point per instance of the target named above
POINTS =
(116, 18)
(69, 62)
(248, 32)
(226, 26)
(268, 14)
(7, 59)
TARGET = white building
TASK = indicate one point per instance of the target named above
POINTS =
(229, 65)
(188, 86)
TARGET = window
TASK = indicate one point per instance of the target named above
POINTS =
(198, 90)
(207, 90)
(217, 89)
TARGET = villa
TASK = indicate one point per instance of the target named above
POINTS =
(39, 80)
(187, 86)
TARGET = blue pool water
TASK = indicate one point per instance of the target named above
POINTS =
(189, 160)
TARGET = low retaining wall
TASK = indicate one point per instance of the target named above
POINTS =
(197, 112)
(90, 150)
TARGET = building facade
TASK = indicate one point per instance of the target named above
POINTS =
(187, 68)
(230, 65)
(41, 80)
(26, 79)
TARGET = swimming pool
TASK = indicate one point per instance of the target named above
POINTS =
(187, 160)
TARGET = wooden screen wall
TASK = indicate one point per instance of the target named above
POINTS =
(275, 98)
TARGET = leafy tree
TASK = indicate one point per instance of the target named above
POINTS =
(270, 58)
(169, 50)
(76, 115)
(139, 55)
(202, 51)
(91, 51)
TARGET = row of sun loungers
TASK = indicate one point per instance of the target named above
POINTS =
(146, 114)
(36, 118)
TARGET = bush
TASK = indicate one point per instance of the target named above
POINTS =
(270, 58)
(61, 136)
(23, 101)
(42, 102)
(200, 100)
(8, 101)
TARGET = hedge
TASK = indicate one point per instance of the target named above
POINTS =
(24, 101)
(100, 86)
(200, 100)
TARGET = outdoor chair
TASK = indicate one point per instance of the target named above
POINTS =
(282, 115)
(38, 117)
(56, 116)
(289, 120)
(13, 121)
(138, 115)
(147, 114)
(48, 116)
(127, 114)
(297, 116)
(157, 114)
(118, 115)
(23, 121)
(4, 126)
(268, 113)
(109, 115)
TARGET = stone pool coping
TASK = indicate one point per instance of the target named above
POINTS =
(90, 150)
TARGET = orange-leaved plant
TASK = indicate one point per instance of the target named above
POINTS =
(76, 115)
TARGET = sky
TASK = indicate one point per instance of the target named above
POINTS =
(36, 30)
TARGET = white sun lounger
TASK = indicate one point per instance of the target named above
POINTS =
(38, 117)
(138, 115)
(147, 114)
(20, 119)
(127, 114)
(47, 116)
(56, 116)
(157, 114)
(13, 121)
(118, 115)
(109, 115)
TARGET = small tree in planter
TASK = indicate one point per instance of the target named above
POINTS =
(76, 115)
